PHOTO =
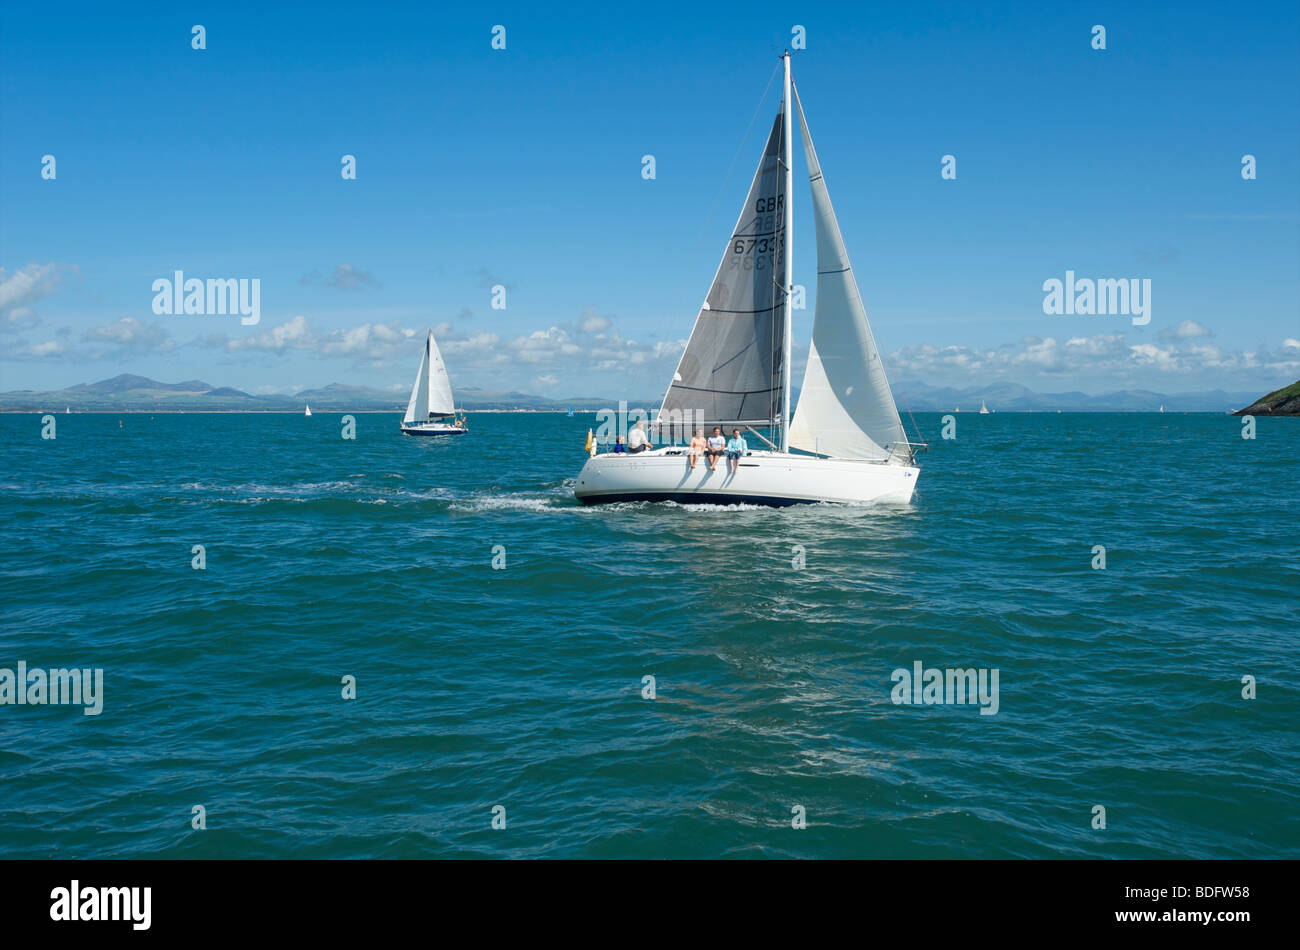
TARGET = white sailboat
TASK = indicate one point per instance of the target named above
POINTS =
(431, 410)
(308, 412)
(846, 441)
(984, 410)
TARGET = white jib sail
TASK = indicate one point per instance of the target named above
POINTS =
(845, 409)
(431, 394)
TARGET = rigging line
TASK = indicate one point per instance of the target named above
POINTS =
(707, 222)
(731, 168)
(775, 403)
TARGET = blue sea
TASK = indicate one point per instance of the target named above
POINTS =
(502, 638)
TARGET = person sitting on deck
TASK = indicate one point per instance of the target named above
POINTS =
(637, 440)
(696, 448)
(736, 447)
(716, 446)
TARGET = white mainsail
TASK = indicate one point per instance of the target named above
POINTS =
(731, 370)
(431, 394)
(845, 409)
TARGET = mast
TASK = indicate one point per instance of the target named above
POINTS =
(789, 262)
(428, 376)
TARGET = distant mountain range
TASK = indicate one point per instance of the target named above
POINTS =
(1009, 397)
(139, 393)
(128, 392)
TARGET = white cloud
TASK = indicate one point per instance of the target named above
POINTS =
(593, 322)
(19, 318)
(481, 357)
(25, 286)
(295, 334)
(1106, 354)
(1187, 330)
(129, 333)
(344, 277)
(373, 342)
(47, 349)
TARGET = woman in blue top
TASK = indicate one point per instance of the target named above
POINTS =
(736, 447)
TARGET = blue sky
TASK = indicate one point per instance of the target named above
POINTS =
(522, 168)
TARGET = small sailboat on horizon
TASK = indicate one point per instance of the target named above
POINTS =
(308, 412)
(845, 443)
(984, 410)
(431, 404)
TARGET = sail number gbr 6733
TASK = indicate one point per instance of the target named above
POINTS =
(762, 243)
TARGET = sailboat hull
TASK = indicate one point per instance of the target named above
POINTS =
(433, 430)
(763, 478)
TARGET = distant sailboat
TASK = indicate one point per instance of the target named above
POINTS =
(570, 410)
(308, 412)
(846, 442)
(431, 404)
(1162, 408)
(984, 410)
(67, 410)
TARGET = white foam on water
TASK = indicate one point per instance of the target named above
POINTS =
(508, 503)
(296, 489)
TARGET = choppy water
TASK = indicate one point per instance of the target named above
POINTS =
(522, 687)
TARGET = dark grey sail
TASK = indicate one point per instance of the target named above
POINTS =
(731, 370)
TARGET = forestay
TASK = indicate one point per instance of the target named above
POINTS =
(845, 408)
(731, 370)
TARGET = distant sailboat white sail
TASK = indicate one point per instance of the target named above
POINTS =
(984, 410)
(431, 404)
(308, 412)
(846, 441)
